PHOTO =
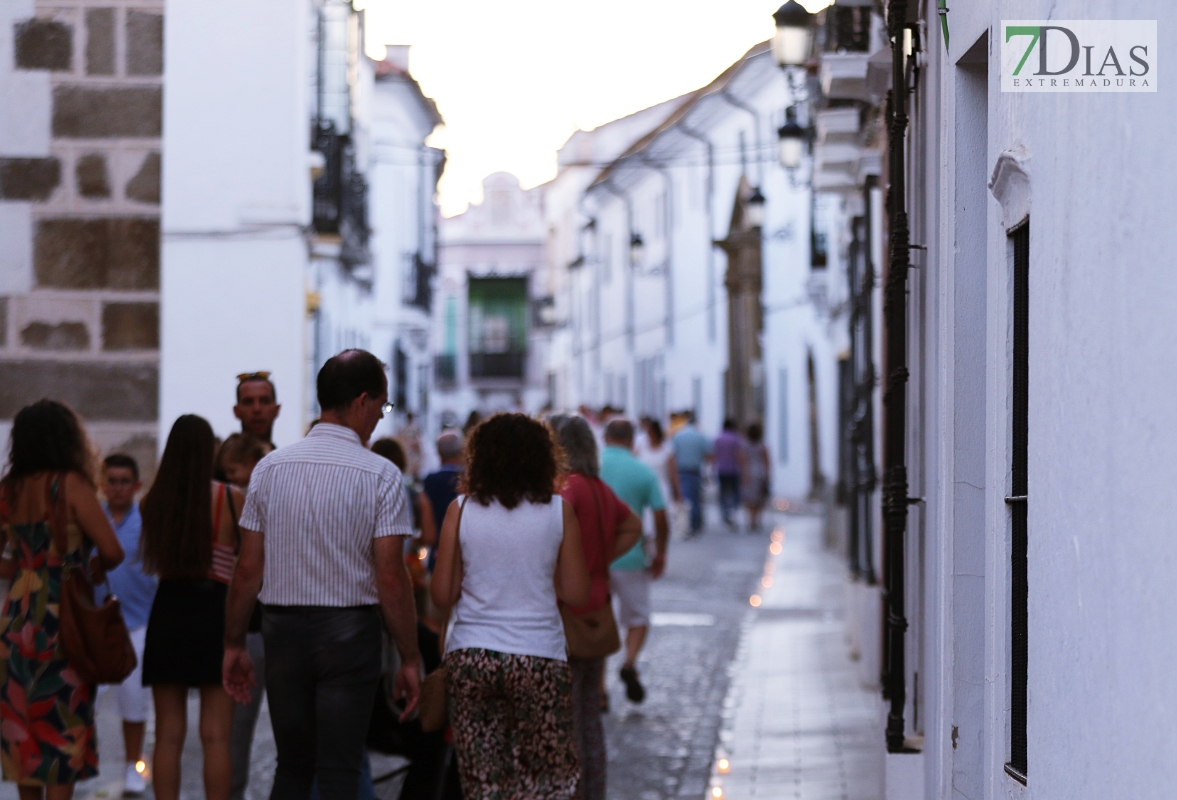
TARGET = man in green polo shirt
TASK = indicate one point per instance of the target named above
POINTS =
(630, 576)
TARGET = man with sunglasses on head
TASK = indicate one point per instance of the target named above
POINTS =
(257, 404)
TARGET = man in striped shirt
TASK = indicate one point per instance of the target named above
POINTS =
(321, 542)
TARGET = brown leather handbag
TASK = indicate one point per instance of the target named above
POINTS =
(93, 638)
(595, 634)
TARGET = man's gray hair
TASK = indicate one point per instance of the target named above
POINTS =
(575, 437)
(449, 444)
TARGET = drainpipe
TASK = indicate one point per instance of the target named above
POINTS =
(707, 143)
(895, 487)
(668, 216)
(867, 289)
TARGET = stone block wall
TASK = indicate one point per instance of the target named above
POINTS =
(79, 214)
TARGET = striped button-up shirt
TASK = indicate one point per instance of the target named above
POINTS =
(319, 504)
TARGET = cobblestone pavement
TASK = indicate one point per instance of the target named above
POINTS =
(662, 748)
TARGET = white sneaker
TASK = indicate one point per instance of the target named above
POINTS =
(133, 782)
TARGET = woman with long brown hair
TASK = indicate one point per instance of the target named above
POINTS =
(49, 513)
(190, 541)
(510, 547)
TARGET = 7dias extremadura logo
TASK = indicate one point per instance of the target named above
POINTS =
(1079, 55)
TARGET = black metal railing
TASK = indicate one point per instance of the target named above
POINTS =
(895, 375)
(340, 195)
(445, 369)
(509, 364)
(847, 29)
(422, 284)
(861, 477)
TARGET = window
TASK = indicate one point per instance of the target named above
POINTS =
(1019, 617)
(497, 327)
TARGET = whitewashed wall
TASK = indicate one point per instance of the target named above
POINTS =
(236, 194)
(1101, 454)
(692, 348)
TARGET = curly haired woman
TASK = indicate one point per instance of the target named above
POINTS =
(502, 562)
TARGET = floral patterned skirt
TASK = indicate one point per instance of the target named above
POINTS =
(46, 710)
(512, 722)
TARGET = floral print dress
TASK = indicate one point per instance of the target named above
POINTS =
(46, 710)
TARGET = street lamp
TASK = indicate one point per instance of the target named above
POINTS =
(636, 249)
(792, 142)
(790, 45)
(754, 210)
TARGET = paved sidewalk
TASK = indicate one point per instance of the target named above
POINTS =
(797, 724)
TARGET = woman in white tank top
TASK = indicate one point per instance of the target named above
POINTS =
(510, 547)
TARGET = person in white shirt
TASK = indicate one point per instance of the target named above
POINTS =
(321, 541)
(507, 553)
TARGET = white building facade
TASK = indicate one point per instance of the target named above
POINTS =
(491, 321)
(674, 299)
(1022, 453)
(285, 232)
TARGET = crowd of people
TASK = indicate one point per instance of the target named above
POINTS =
(333, 576)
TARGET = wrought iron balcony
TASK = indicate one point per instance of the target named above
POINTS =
(847, 29)
(420, 289)
(510, 364)
(340, 198)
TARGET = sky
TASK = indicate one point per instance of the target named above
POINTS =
(514, 78)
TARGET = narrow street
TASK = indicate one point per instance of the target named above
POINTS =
(771, 688)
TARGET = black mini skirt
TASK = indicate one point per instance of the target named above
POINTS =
(186, 633)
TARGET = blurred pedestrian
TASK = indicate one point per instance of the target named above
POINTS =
(190, 540)
(423, 524)
(441, 485)
(257, 408)
(257, 404)
(756, 475)
(49, 512)
(136, 591)
(472, 421)
(238, 455)
(727, 451)
(323, 525)
(236, 459)
(409, 437)
(691, 451)
(608, 529)
(658, 455)
(503, 561)
(630, 575)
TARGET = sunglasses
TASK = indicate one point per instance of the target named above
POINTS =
(253, 376)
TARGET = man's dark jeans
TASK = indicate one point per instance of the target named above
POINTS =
(729, 495)
(691, 484)
(322, 668)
